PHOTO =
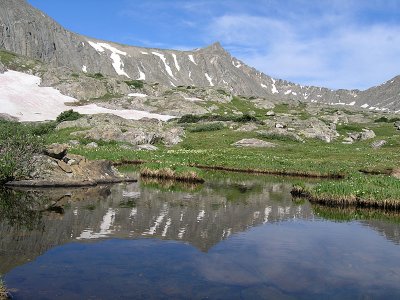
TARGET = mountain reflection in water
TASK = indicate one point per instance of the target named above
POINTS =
(238, 226)
(203, 218)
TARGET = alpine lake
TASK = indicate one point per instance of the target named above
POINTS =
(234, 237)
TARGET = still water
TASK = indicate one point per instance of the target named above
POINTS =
(235, 237)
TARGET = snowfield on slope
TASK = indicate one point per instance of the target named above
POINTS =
(22, 97)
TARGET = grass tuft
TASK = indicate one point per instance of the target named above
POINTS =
(174, 172)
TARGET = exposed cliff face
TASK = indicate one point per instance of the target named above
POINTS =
(27, 31)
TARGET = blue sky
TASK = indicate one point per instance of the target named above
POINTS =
(332, 43)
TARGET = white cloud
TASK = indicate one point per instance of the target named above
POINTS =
(329, 51)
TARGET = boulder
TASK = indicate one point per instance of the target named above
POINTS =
(316, 129)
(172, 136)
(378, 144)
(92, 145)
(348, 140)
(71, 171)
(57, 151)
(397, 125)
(147, 147)
(367, 134)
(253, 143)
(281, 133)
(396, 173)
(270, 113)
(74, 143)
(112, 128)
(247, 127)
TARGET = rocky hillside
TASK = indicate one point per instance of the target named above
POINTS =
(29, 32)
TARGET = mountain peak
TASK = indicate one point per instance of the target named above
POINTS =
(215, 47)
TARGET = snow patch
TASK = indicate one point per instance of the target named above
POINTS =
(22, 97)
(129, 114)
(142, 76)
(96, 46)
(236, 64)
(288, 92)
(193, 99)
(145, 53)
(191, 58)
(164, 60)
(364, 105)
(352, 103)
(274, 90)
(209, 79)
(84, 69)
(117, 63)
(176, 62)
(140, 95)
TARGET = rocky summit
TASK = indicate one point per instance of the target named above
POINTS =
(27, 31)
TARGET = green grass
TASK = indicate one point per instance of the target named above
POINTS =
(171, 171)
(378, 187)
(17, 62)
(214, 149)
(313, 158)
(95, 75)
(338, 214)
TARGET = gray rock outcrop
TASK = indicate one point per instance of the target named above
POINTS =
(69, 170)
(317, 129)
(2, 68)
(253, 143)
(106, 127)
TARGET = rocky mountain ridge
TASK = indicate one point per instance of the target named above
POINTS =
(29, 32)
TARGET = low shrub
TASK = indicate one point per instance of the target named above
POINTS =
(222, 118)
(189, 119)
(206, 127)
(137, 84)
(68, 115)
(41, 129)
(386, 120)
(17, 148)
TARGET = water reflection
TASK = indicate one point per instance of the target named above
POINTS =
(149, 234)
(202, 216)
